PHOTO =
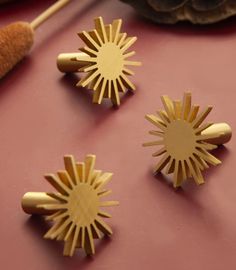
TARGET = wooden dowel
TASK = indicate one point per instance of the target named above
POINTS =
(31, 200)
(48, 13)
(72, 62)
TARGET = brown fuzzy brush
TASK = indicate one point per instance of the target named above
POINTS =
(16, 39)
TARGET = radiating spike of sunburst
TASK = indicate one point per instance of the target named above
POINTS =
(183, 150)
(76, 206)
(107, 50)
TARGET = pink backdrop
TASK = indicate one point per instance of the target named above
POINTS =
(44, 116)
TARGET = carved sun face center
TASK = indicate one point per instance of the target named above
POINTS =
(110, 61)
(180, 139)
(83, 204)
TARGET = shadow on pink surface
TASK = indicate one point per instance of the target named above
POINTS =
(37, 227)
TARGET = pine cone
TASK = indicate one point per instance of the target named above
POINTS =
(195, 11)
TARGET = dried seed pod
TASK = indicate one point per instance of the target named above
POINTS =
(195, 11)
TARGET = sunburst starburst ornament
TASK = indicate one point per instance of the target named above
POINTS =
(104, 59)
(184, 140)
(76, 207)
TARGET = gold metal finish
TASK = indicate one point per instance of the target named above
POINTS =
(75, 208)
(106, 66)
(185, 140)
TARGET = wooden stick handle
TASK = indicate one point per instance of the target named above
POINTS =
(72, 62)
(31, 200)
(48, 13)
(221, 132)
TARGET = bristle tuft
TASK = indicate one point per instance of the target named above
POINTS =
(16, 39)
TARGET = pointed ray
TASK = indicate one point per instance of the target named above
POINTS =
(128, 43)
(89, 60)
(65, 178)
(104, 214)
(201, 161)
(116, 97)
(81, 240)
(89, 244)
(61, 236)
(156, 133)
(96, 175)
(95, 36)
(186, 108)
(193, 114)
(58, 196)
(197, 122)
(54, 215)
(88, 51)
(178, 176)
(95, 231)
(109, 88)
(132, 63)
(170, 166)
(104, 193)
(67, 247)
(74, 241)
(55, 226)
(69, 232)
(128, 71)
(99, 79)
(116, 26)
(108, 29)
(80, 167)
(195, 172)
(177, 109)
(103, 180)
(92, 67)
(109, 203)
(104, 82)
(57, 184)
(88, 40)
(120, 84)
(61, 228)
(159, 152)
(128, 84)
(96, 95)
(88, 78)
(89, 167)
(198, 172)
(121, 39)
(162, 163)
(128, 54)
(155, 121)
(184, 172)
(61, 216)
(207, 157)
(164, 117)
(206, 146)
(154, 143)
(100, 27)
(168, 105)
(70, 166)
(102, 226)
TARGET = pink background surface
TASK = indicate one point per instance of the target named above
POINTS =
(44, 116)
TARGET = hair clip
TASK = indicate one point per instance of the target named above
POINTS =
(185, 141)
(104, 59)
(75, 207)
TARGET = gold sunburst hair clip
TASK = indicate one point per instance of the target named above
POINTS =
(104, 59)
(184, 140)
(75, 208)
